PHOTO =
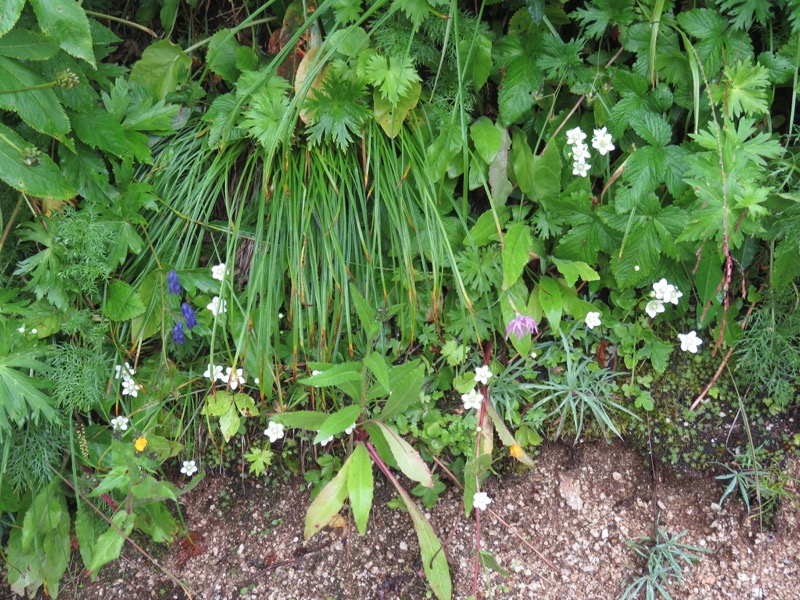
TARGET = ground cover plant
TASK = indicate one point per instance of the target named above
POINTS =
(352, 235)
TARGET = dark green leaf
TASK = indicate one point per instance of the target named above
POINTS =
(338, 422)
(65, 21)
(10, 10)
(27, 45)
(43, 180)
(162, 68)
(405, 385)
(550, 299)
(122, 302)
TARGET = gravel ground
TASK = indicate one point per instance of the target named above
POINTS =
(576, 509)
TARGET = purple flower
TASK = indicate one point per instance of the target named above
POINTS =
(521, 325)
(189, 315)
(173, 283)
(177, 334)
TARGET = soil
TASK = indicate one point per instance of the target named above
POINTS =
(574, 511)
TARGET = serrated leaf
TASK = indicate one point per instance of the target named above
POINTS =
(394, 76)
(550, 299)
(641, 250)
(392, 116)
(572, 269)
(87, 531)
(360, 486)
(122, 302)
(653, 128)
(10, 11)
(38, 108)
(408, 460)
(162, 67)
(744, 90)
(517, 243)
(521, 80)
(43, 180)
(65, 21)
(327, 503)
(27, 45)
(486, 137)
(337, 422)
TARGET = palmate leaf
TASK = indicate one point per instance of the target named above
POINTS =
(598, 15)
(393, 76)
(743, 90)
(745, 12)
(266, 119)
(337, 111)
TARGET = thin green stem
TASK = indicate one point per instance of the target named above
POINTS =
(123, 21)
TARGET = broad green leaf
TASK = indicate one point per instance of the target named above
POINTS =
(301, 419)
(708, 276)
(100, 129)
(642, 249)
(539, 177)
(87, 531)
(217, 403)
(229, 423)
(349, 42)
(328, 503)
(517, 243)
(434, 560)
(376, 363)
(245, 405)
(394, 77)
(115, 479)
(486, 137)
(221, 55)
(156, 521)
(360, 486)
(653, 128)
(43, 180)
(499, 184)
(149, 489)
(162, 68)
(65, 21)
(392, 116)
(572, 269)
(405, 385)
(488, 226)
(338, 422)
(110, 542)
(408, 460)
(477, 53)
(550, 299)
(38, 108)
(27, 45)
(10, 10)
(366, 313)
(122, 302)
(335, 375)
(521, 79)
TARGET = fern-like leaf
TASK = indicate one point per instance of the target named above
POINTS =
(337, 111)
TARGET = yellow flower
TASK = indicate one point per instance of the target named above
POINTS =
(140, 444)
(515, 450)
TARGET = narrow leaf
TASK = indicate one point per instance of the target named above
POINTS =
(338, 422)
(360, 486)
(328, 503)
(550, 299)
(405, 385)
(515, 253)
(408, 460)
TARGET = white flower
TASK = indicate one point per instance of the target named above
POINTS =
(129, 388)
(481, 500)
(22, 329)
(592, 319)
(326, 441)
(189, 468)
(654, 307)
(119, 423)
(636, 267)
(234, 378)
(350, 429)
(575, 136)
(256, 381)
(690, 342)
(580, 168)
(581, 152)
(472, 399)
(660, 287)
(274, 431)
(218, 272)
(534, 355)
(671, 294)
(483, 374)
(601, 141)
(214, 372)
(217, 306)
(34, 331)
(124, 372)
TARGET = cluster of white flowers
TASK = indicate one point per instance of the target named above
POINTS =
(234, 378)
(129, 386)
(601, 141)
(481, 500)
(663, 292)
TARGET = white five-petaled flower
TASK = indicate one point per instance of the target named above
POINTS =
(472, 399)
(214, 372)
(326, 441)
(483, 374)
(581, 152)
(217, 306)
(672, 294)
(274, 431)
(580, 168)
(575, 136)
(119, 423)
(189, 468)
(481, 500)
(124, 372)
(665, 291)
(218, 272)
(234, 378)
(129, 388)
(592, 319)
(601, 141)
(654, 307)
(689, 342)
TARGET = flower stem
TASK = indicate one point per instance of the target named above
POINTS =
(123, 21)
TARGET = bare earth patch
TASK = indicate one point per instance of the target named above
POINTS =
(577, 507)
